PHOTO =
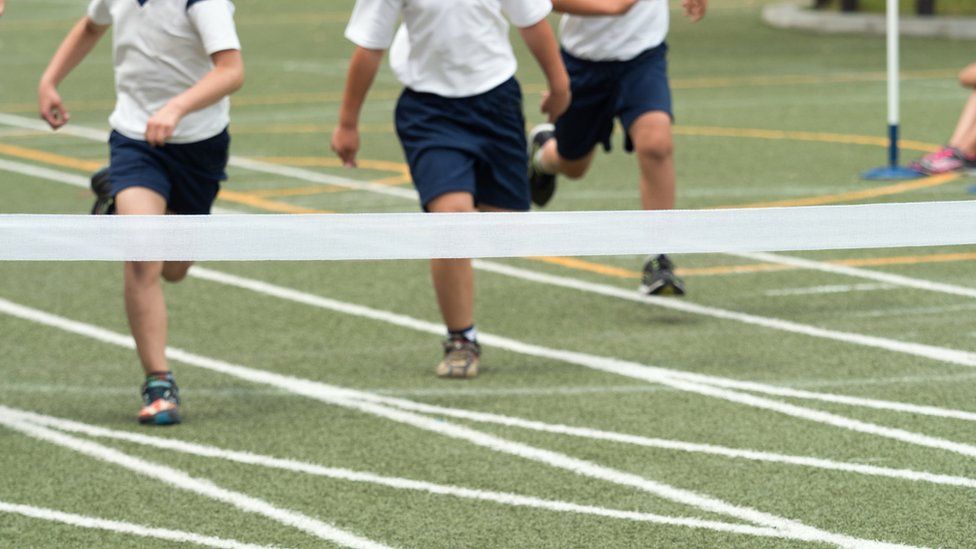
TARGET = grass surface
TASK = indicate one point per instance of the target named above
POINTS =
(764, 116)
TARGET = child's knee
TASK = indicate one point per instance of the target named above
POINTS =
(574, 169)
(655, 146)
(176, 271)
(143, 272)
(967, 76)
(452, 202)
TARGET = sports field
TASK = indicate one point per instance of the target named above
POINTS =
(789, 400)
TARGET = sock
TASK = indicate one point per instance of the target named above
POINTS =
(160, 376)
(470, 333)
(538, 164)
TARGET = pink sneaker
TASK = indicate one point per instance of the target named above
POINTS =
(945, 160)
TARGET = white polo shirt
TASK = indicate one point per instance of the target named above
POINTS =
(618, 38)
(162, 48)
(452, 48)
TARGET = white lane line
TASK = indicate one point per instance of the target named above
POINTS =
(180, 479)
(398, 483)
(93, 134)
(909, 311)
(629, 369)
(931, 352)
(359, 400)
(828, 289)
(119, 527)
(916, 349)
(886, 278)
(44, 173)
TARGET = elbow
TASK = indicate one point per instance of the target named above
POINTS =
(622, 7)
(967, 77)
(237, 82)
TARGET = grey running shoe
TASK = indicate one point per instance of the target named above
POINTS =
(542, 185)
(659, 278)
(461, 359)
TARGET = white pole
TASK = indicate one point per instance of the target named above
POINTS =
(893, 81)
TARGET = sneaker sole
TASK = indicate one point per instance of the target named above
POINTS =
(162, 418)
(663, 289)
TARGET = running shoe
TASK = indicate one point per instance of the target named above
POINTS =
(461, 358)
(161, 401)
(945, 160)
(659, 278)
(541, 184)
(104, 202)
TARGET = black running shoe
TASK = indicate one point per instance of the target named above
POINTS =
(659, 277)
(161, 400)
(542, 185)
(104, 202)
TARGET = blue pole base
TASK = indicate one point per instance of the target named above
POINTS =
(891, 173)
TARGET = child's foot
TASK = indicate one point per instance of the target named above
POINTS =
(945, 160)
(542, 185)
(461, 358)
(104, 203)
(659, 277)
(161, 400)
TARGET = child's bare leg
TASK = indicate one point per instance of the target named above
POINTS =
(555, 164)
(651, 134)
(175, 271)
(454, 278)
(966, 125)
(144, 302)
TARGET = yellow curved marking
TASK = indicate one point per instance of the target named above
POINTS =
(330, 162)
(874, 192)
(265, 204)
(291, 129)
(784, 135)
(50, 158)
(298, 191)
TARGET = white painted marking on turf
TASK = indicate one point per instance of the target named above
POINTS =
(829, 289)
(634, 370)
(179, 479)
(916, 349)
(887, 278)
(962, 358)
(92, 134)
(44, 173)
(908, 311)
(119, 527)
(359, 400)
(391, 482)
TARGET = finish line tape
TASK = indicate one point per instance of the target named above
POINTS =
(332, 237)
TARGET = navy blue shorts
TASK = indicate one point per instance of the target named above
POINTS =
(471, 144)
(187, 175)
(604, 90)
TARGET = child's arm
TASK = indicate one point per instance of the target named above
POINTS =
(363, 66)
(79, 42)
(695, 9)
(542, 43)
(593, 7)
(1, 7)
(225, 78)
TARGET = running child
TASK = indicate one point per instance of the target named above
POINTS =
(176, 63)
(618, 69)
(459, 120)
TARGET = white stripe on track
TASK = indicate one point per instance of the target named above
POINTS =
(119, 527)
(44, 173)
(391, 482)
(886, 278)
(628, 369)
(931, 352)
(915, 349)
(179, 479)
(829, 289)
(359, 400)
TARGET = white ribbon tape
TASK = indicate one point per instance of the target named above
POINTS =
(420, 236)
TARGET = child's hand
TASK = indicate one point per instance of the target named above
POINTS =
(555, 103)
(695, 9)
(162, 125)
(51, 107)
(345, 143)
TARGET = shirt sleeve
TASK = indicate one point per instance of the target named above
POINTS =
(373, 23)
(525, 13)
(214, 21)
(99, 13)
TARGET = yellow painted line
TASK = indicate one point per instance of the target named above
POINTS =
(588, 266)
(298, 191)
(265, 204)
(874, 192)
(330, 162)
(292, 129)
(784, 135)
(402, 179)
(50, 158)
(906, 260)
